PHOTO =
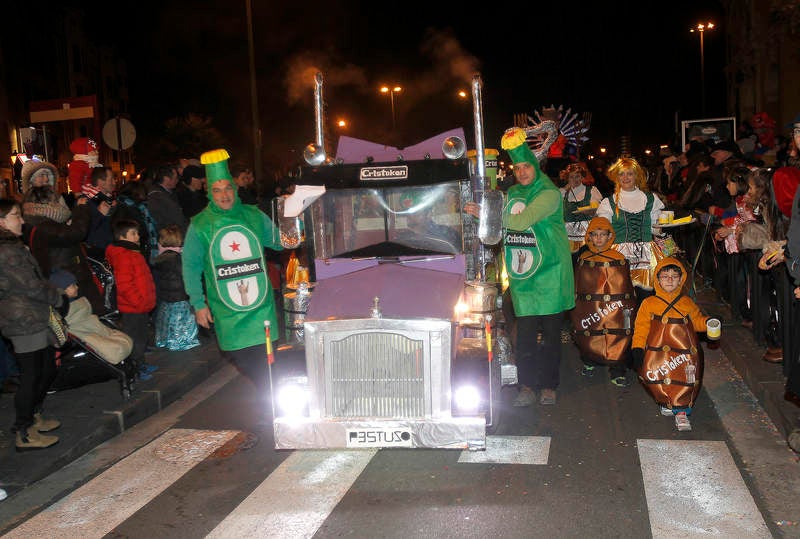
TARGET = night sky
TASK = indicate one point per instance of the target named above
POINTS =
(633, 65)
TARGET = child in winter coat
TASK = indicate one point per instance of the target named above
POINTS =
(176, 327)
(136, 290)
(605, 304)
(665, 348)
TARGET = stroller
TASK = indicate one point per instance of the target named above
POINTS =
(104, 278)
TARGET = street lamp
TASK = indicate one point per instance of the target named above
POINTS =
(701, 29)
(391, 92)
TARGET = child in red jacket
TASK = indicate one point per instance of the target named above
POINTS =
(136, 290)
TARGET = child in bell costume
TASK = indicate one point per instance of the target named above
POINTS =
(605, 304)
(665, 348)
(225, 246)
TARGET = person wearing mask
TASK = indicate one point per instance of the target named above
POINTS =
(539, 266)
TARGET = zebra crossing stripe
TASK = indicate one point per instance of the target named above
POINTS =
(96, 508)
(510, 450)
(297, 497)
(694, 489)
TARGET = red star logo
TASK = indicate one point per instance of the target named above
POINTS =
(234, 246)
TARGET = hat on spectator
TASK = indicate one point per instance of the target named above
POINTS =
(34, 168)
(727, 146)
(192, 171)
(62, 279)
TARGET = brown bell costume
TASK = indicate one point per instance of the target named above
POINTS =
(666, 328)
(604, 301)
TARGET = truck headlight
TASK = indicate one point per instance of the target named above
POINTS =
(292, 398)
(467, 399)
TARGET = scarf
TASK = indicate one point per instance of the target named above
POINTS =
(53, 211)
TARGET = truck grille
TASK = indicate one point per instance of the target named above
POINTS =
(376, 375)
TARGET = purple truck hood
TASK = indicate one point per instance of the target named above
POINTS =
(404, 292)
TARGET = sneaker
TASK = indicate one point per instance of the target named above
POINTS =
(682, 421)
(148, 368)
(525, 397)
(665, 411)
(587, 371)
(31, 439)
(547, 397)
(621, 381)
(3, 494)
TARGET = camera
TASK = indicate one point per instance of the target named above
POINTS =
(102, 197)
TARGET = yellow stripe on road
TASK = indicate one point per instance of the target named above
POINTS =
(106, 501)
(297, 497)
(694, 489)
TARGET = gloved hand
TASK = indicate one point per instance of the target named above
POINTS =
(637, 355)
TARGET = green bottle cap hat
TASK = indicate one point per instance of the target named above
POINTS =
(216, 163)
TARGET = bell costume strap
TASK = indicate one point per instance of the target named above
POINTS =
(604, 297)
(668, 348)
(608, 262)
(605, 331)
(671, 305)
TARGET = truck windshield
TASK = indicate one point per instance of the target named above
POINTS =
(389, 222)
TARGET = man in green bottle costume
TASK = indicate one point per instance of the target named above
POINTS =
(224, 249)
(539, 267)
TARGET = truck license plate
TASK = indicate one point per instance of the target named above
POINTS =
(379, 437)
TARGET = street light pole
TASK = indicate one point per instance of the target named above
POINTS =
(391, 92)
(701, 29)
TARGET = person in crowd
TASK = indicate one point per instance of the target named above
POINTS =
(131, 204)
(36, 173)
(632, 211)
(539, 267)
(192, 195)
(245, 182)
(226, 234)
(697, 195)
(54, 234)
(136, 291)
(162, 199)
(111, 344)
(665, 348)
(175, 325)
(604, 305)
(26, 298)
(85, 158)
(101, 194)
(577, 194)
(723, 153)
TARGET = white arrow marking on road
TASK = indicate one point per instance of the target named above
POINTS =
(694, 489)
(297, 497)
(106, 501)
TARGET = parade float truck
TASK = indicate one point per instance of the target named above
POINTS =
(395, 336)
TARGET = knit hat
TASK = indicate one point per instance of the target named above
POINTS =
(62, 279)
(514, 143)
(727, 146)
(33, 168)
(83, 146)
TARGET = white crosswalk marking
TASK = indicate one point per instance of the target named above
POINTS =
(108, 500)
(297, 497)
(510, 450)
(694, 489)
